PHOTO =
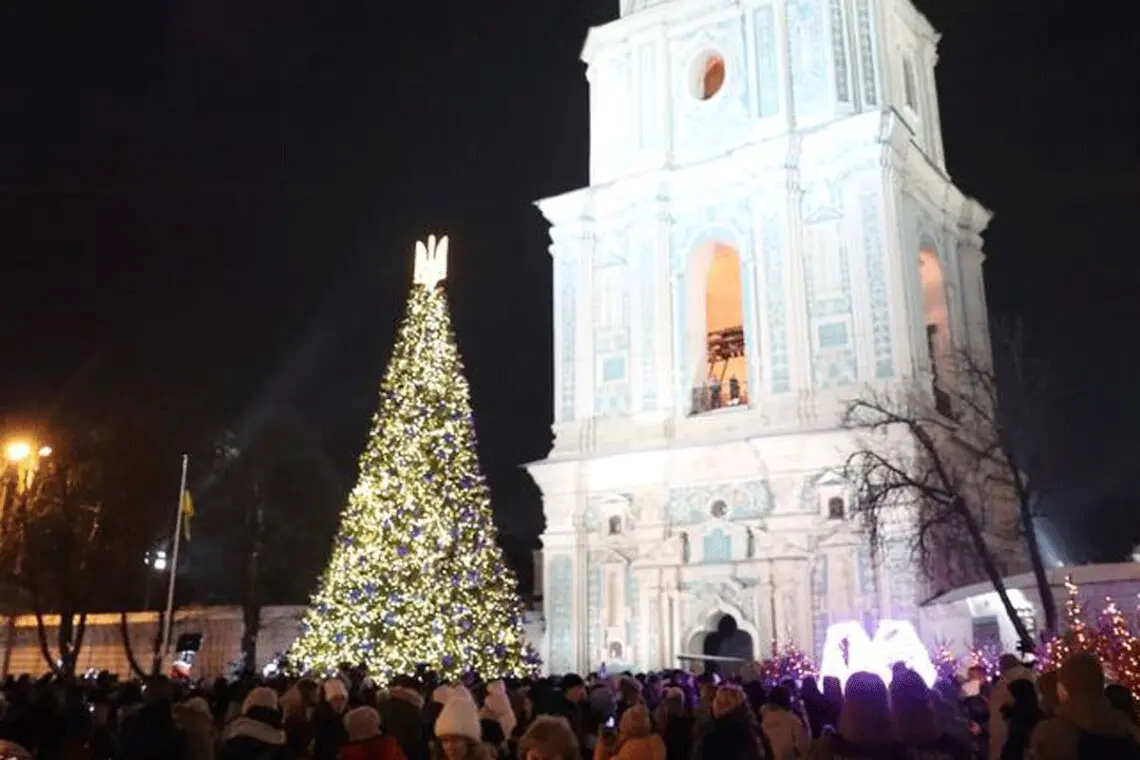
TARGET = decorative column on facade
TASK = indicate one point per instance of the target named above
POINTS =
(663, 229)
(645, 619)
(585, 379)
(861, 285)
(799, 338)
(581, 590)
(899, 251)
(675, 643)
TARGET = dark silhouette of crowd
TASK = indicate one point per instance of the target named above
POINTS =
(1068, 714)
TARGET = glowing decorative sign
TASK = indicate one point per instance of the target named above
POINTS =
(431, 261)
(849, 649)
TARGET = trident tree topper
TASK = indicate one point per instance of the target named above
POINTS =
(431, 261)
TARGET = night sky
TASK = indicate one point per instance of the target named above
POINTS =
(211, 204)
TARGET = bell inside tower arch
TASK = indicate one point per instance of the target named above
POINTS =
(936, 320)
(726, 370)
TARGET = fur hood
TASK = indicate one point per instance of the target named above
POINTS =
(251, 728)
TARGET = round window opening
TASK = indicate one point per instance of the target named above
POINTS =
(708, 76)
(718, 508)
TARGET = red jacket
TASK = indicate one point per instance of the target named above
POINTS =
(376, 748)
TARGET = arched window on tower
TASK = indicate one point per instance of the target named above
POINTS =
(936, 321)
(615, 525)
(836, 508)
(722, 382)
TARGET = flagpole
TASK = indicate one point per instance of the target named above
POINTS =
(168, 621)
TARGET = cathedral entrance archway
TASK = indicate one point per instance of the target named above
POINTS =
(723, 636)
(717, 328)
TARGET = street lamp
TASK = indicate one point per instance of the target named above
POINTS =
(155, 560)
(18, 451)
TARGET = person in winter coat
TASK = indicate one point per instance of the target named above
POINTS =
(549, 738)
(150, 733)
(401, 714)
(12, 751)
(1011, 670)
(365, 742)
(1022, 714)
(675, 724)
(786, 732)
(865, 728)
(458, 733)
(635, 739)
(256, 734)
(915, 725)
(1085, 727)
(197, 723)
(297, 705)
(328, 720)
(497, 706)
(732, 732)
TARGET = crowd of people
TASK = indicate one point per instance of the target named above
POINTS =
(1069, 714)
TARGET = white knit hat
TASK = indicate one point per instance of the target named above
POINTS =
(263, 697)
(499, 705)
(361, 723)
(334, 687)
(459, 717)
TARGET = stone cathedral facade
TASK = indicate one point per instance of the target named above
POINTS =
(769, 228)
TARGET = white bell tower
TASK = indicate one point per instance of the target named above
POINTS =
(769, 227)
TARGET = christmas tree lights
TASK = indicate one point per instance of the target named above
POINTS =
(946, 663)
(417, 579)
(985, 657)
(1078, 636)
(791, 663)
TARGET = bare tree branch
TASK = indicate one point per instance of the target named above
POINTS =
(941, 465)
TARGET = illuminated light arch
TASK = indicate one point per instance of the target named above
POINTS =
(848, 649)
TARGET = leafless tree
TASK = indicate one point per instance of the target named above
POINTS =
(940, 463)
(54, 550)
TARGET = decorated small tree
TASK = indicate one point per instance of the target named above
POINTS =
(790, 662)
(417, 579)
(946, 663)
(1078, 636)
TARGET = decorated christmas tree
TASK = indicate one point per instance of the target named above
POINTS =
(417, 580)
(946, 663)
(1079, 636)
(791, 662)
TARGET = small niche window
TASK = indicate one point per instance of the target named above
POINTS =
(615, 526)
(910, 88)
(836, 508)
(718, 509)
(708, 76)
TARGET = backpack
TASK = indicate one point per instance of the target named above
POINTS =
(1101, 747)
